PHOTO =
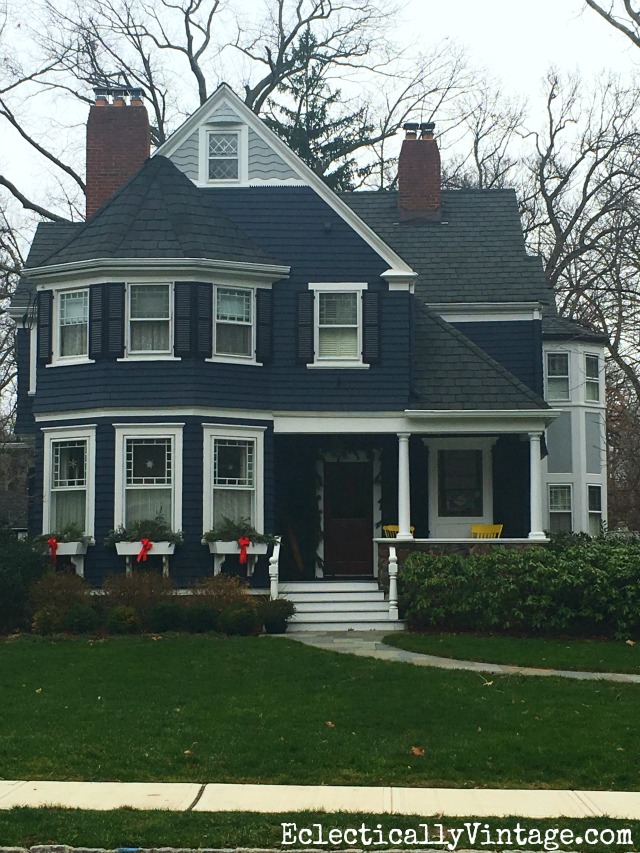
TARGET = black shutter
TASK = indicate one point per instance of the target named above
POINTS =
(305, 347)
(96, 320)
(203, 320)
(371, 326)
(45, 321)
(114, 320)
(264, 325)
(183, 338)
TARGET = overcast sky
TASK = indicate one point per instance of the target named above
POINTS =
(518, 40)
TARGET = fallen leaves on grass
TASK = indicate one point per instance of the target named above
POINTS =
(330, 725)
(417, 750)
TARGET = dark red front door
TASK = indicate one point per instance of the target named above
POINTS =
(348, 518)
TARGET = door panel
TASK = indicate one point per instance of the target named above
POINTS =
(348, 518)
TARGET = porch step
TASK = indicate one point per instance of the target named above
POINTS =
(357, 605)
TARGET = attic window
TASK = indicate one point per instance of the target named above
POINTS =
(224, 156)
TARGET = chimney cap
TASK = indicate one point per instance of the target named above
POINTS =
(429, 126)
(410, 125)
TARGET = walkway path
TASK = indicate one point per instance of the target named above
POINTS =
(369, 644)
(450, 802)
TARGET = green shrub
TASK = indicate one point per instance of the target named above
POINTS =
(141, 591)
(81, 619)
(578, 586)
(240, 620)
(59, 589)
(275, 614)
(20, 565)
(123, 619)
(166, 616)
(200, 616)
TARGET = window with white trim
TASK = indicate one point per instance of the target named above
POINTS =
(594, 495)
(234, 322)
(338, 334)
(149, 474)
(233, 475)
(149, 318)
(69, 457)
(592, 378)
(558, 376)
(223, 155)
(73, 323)
(560, 509)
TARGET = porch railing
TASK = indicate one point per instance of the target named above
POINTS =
(274, 570)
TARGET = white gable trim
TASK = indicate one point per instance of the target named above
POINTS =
(225, 93)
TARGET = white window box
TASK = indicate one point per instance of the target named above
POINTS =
(71, 549)
(162, 549)
(221, 549)
(131, 549)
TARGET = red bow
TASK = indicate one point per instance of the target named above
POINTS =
(244, 543)
(147, 545)
(53, 547)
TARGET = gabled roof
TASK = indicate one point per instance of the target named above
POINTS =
(475, 253)
(225, 94)
(452, 373)
(158, 213)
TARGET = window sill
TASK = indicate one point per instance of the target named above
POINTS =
(70, 361)
(338, 365)
(152, 356)
(230, 359)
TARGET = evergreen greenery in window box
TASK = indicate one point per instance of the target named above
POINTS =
(224, 539)
(127, 539)
(69, 542)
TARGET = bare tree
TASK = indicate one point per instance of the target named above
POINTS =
(624, 15)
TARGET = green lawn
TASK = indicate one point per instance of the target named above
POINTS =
(209, 709)
(127, 828)
(585, 655)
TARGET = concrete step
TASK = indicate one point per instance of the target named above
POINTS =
(346, 625)
(327, 597)
(376, 606)
(342, 616)
(328, 586)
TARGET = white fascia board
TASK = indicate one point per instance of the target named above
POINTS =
(103, 269)
(469, 312)
(309, 178)
(165, 411)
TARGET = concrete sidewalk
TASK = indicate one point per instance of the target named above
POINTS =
(447, 802)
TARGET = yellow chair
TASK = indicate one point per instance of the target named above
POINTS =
(391, 530)
(486, 531)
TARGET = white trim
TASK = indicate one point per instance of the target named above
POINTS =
(85, 432)
(56, 358)
(128, 320)
(349, 363)
(228, 358)
(473, 312)
(225, 94)
(571, 511)
(147, 412)
(232, 431)
(33, 361)
(129, 268)
(154, 430)
(338, 286)
(444, 527)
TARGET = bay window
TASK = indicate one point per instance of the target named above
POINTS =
(68, 498)
(234, 322)
(149, 318)
(73, 323)
(233, 475)
(558, 376)
(560, 509)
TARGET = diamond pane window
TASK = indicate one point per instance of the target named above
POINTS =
(592, 381)
(558, 376)
(150, 317)
(234, 322)
(338, 325)
(223, 157)
(74, 322)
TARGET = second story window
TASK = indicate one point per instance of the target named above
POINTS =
(233, 322)
(558, 376)
(73, 323)
(338, 326)
(592, 378)
(150, 318)
(223, 156)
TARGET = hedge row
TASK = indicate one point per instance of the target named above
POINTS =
(578, 586)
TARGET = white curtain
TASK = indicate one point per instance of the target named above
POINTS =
(233, 504)
(148, 504)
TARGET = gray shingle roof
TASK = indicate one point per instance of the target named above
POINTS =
(158, 213)
(451, 372)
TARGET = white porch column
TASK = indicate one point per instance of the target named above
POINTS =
(404, 490)
(536, 531)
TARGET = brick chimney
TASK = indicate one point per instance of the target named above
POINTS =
(419, 180)
(118, 142)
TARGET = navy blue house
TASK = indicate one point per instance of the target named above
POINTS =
(226, 337)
